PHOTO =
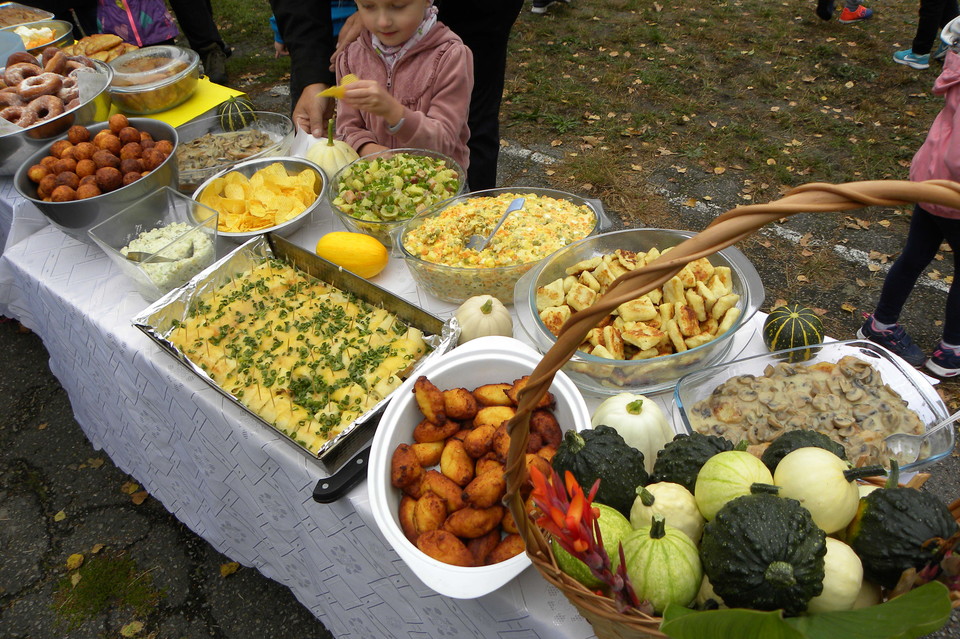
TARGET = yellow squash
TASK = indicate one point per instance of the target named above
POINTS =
(356, 252)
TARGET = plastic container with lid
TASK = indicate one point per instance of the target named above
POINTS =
(154, 79)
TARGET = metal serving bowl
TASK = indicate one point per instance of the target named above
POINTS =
(16, 146)
(292, 165)
(76, 217)
(62, 33)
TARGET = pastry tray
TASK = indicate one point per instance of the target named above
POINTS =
(159, 319)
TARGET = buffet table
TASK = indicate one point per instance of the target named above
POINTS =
(233, 482)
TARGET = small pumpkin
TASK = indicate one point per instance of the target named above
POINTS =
(681, 459)
(331, 155)
(483, 315)
(671, 501)
(793, 326)
(236, 113)
(357, 252)
(725, 476)
(640, 422)
(842, 579)
(663, 565)
(600, 453)
(793, 439)
(764, 552)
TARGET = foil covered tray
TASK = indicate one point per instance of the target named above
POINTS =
(160, 318)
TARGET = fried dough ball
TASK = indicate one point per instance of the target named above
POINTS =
(68, 178)
(85, 191)
(131, 165)
(78, 134)
(89, 179)
(63, 194)
(69, 153)
(64, 164)
(109, 179)
(152, 158)
(147, 143)
(84, 151)
(129, 134)
(105, 158)
(130, 178)
(37, 172)
(86, 167)
(118, 122)
(47, 185)
(130, 151)
(164, 146)
(108, 142)
(144, 136)
(56, 149)
(48, 161)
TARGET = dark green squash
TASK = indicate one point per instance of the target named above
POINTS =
(764, 552)
(792, 326)
(600, 453)
(681, 459)
(236, 113)
(892, 527)
(794, 439)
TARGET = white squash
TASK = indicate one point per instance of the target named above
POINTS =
(843, 575)
(865, 489)
(331, 155)
(870, 595)
(706, 595)
(483, 315)
(639, 421)
(674, 502)
(824, 484)
(726, 476)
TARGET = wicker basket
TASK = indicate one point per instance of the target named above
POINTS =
(734, 225)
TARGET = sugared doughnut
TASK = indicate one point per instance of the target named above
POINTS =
(70, 90)
(47, 53)
(10, 97)
(14, 74)
(45, 107)
(21, 56)
(79, 61)
(43, 84)
(56, 64)
(19, 115)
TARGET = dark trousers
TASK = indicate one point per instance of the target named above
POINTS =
(933, 16)
(195, 18)
(484, 26)
(927, 232)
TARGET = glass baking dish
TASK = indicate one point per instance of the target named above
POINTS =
(912, 386)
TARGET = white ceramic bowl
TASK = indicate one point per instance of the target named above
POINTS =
(485, 360)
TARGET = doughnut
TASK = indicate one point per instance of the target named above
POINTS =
(47, 53)
(56, 64)
(43, 84)
(69, 90)
(15, 73)
(18, 115)
(45, 107)
(10, 97)
(21, 56)
(72, 104)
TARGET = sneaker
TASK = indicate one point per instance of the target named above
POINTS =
(895, 340)
(859, 14)
(825, 9)
(540, 6)
(944, 362)
(941, 51)
(911, 59)
(214, 62)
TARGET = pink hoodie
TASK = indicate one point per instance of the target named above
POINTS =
(939, 155)
(432, 81)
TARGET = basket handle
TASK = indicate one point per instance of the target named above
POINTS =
(727, 229)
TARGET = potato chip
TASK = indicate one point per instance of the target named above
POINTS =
(338, 91)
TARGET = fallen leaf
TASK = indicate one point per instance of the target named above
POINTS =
(139, 497)
(42, 426)
(802, 278)
(719, 170)
(96, 462)
(873, 268)
(884, 223)
(556, 142)
(75, 579)
(765, 243)
(848, 307)
(129, 487)
(820, 311)
(805, 240)
(806, 252)
(96, 548)
(229, 568)
(132, 629)
(74, 561)
(60, 516)
(690, 202)
(636, 167)
(861, 283)
(779, 302)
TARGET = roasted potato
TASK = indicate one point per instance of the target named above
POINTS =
(480, 547)
(450, 492)
(455, 463)
(479, 441)
(544, 424)
(513, 393)
(501, 444)
(509, 546)
(430, 513)
(459, 404)
(428, 431)
(487, 463)
(493, 395)
(472, 522)
(407, 523)
(430, 400)
(493, 415)
(508, 523)
(428, 452)
(446, 547)
(405, 468)
(485, 490)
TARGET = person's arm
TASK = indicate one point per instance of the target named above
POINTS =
(307, 31)
(351, 125)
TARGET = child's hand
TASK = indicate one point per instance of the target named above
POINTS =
(369, 96)
(279, 49)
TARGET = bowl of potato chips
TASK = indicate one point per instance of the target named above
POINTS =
(646, 344)
(265, 195)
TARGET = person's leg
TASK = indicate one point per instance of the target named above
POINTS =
(928, 25)
(485, 28)
(923, 242)
(950, 230)
(195, 18)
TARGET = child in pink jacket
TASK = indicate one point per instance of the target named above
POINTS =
(931, 225)
(416, 76)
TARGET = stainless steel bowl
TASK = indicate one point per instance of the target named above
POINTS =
(16, 146)
(62, 33)
(76, 217)
(248, 168)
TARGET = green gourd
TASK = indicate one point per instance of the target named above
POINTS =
(725, 476)
(764, 552)
(236, 113)
(892, 527)
(793, 439)
(600, 453)
(680, 460)
(793, 326)
(663, 564)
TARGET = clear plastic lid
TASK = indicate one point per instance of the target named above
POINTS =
(152, 67)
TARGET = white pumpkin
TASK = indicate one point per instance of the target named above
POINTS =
(483, 315)
(331, 155)
(639, 421)
(674, 502)
(843, 576)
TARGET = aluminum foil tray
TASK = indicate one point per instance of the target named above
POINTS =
(159, 318)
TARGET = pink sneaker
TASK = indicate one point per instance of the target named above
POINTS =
(860, 13)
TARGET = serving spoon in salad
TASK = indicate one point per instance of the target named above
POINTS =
(143, 256)
(478, 242)
(907, 447)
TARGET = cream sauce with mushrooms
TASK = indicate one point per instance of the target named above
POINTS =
(846, 401)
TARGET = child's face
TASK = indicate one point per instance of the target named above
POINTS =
(392, 21)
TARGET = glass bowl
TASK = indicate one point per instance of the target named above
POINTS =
(234, 145)
(154, 79)
(919, 395)
(16, 13)
(148, 225)
(62, 33)
(443, 230)
(602, 376)
(376, 188)
(292, 166)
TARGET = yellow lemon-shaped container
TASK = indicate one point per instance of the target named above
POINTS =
(356, 252)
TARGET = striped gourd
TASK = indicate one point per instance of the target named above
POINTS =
(236, 113)
(793, 326)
